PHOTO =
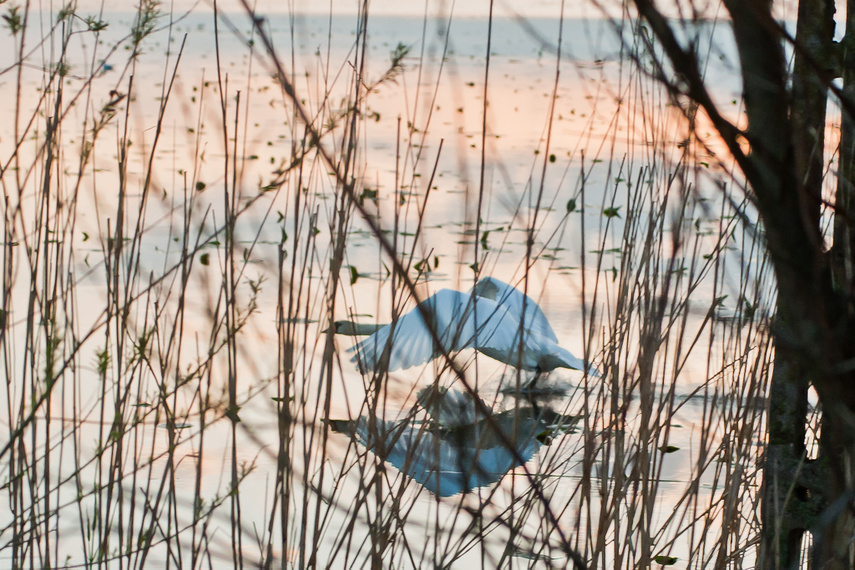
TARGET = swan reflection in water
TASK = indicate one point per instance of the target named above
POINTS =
(453, 448)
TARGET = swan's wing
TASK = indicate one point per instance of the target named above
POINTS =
(413, 343)
(449, 408)
(459, 324)
(515, 301)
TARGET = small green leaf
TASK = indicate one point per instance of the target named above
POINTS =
(544, 437)
(571, 206)
(14, 20)
(665, 560)
(354, 275)
(668, 449)
(612, 212)
(200, 186)
(368, 194)
(205, 259)
(232, 414)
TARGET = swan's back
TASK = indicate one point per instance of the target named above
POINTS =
(517, 304)
(460, 321)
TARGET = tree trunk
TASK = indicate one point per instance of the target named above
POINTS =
(794, 492)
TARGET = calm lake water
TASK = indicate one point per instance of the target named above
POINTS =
(566, 151)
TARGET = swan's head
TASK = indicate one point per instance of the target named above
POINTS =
(350, 328)
(487, 288)
(339, 327)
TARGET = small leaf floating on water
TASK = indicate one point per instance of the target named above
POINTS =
(232, 414)
(571, 206)
(354, 275)
(544, 437)
(748, 309)
(665, 560)
(368, 194)
(612, 212)
(205, 259)
(423, 266)
(668, 449)
(529, 554)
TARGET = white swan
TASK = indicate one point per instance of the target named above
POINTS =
(493, 318)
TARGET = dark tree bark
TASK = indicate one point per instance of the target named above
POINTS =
(795, 489)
